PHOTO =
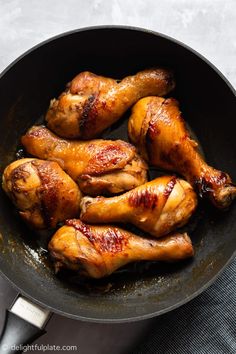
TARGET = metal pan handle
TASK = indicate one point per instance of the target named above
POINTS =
(24, 323)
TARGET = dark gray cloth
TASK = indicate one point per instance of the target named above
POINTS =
(206, 325)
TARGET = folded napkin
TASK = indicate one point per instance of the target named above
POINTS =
(206, 325)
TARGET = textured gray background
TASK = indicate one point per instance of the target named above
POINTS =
(209, 26)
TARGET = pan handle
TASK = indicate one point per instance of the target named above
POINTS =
(24, 323)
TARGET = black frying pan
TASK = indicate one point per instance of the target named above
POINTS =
(209, 105)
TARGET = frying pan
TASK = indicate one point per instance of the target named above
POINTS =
(209, 105)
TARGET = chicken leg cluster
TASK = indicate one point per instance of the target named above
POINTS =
(113, 177)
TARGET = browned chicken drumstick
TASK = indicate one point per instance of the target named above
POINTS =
(157, 128)
(98, 166)
(92, 103)
(42, 192)
(97, 251)
(157, 207)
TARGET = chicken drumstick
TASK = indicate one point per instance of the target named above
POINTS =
(42, 191)
(98, 166)
(157, 207)
(157, 128)
(92, 103)
(97, 251)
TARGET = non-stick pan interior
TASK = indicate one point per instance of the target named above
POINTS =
(208, 105)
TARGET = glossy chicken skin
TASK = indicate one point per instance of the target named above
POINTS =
(92, 103)
(42, 192)
(157, 207)
(156, 127)
(100, 167)
(97, 251)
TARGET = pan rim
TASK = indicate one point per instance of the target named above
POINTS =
(213, 279)
(122, 27)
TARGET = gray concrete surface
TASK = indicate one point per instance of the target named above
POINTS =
(209, 26)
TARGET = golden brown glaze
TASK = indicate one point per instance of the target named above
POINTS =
(42, 192)
(97, 251)
(100, 167)
(157, 207)
(92, 103)
(157, 128)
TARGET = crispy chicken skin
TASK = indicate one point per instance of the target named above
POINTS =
(100, 167)
(42, 192)
(157, 207)
(92, 103)
(97, 251)
(156, 127)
